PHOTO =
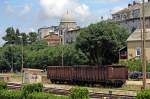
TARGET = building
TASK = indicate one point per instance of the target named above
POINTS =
(67, 31)
(45, 31)
(32, 75)
(134, 45)
(123, 53)
(130, 17)
(53, 39)
(71, 35)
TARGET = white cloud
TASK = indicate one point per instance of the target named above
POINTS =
(53, 7)
(109, 1)
(18, 10)
(82, 10)
(31, 30)
(56, 8)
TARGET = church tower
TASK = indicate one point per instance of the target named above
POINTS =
(67, 23)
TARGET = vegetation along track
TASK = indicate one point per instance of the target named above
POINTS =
(67, 92)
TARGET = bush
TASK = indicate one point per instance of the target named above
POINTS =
(3, 85)
(38, 95)
(29, 88)
(41, 95)
(143, 94)
(133, 65)
(10, 94)
(79, 93)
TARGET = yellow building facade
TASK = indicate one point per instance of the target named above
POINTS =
(134, 45)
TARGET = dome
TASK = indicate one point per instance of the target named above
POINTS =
(67, 18)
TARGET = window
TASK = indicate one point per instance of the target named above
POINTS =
(138, 51)
(61, 32)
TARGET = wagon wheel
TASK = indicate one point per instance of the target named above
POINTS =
(118, 83)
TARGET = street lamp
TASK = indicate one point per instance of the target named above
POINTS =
(22, 57)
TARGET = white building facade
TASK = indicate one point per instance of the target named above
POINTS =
(130, 17)
(67, 29)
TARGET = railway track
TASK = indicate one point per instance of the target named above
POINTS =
(91, 94)
(67, 92)
(13, 85)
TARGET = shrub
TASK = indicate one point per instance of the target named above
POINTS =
(10, 94)
(29, 88)
(38, 95)
(3, 85)
(41, 95)
(79, 93)
(143, 94)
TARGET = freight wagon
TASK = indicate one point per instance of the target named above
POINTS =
(115, 75)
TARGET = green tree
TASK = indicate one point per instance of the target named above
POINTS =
(100, 42)
(24, 38)
(11, 58)
(32, 37)
(10, 36)
(18, 39)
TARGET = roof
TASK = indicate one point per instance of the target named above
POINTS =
(121, 11)
(67, 17)
(136, 6)
(136, 35)
(52, 36)
(71, 29)
(125, 47)
(35, 70)
(130, 8)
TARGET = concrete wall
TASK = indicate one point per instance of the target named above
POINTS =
(31, 77)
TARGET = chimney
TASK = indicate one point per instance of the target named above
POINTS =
(134, 2)
(129, 5)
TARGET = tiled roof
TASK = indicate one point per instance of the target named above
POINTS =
(53, 36)
(132, 7)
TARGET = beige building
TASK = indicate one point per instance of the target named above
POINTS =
(134, 45)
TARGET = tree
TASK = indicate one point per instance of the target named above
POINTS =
(18, 39)
(100, 42)
(10, 57)
(24, 38)
(13, 37)
(10, 36)
(32, 37)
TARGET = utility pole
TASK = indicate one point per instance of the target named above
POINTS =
(143, 45)
(22, 61)
(22, 58)
(62, 48)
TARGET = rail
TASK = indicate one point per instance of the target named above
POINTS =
(67, 92)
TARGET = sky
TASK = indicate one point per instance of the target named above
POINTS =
(29, 15)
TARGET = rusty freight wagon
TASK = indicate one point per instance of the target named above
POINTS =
(106, 75)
